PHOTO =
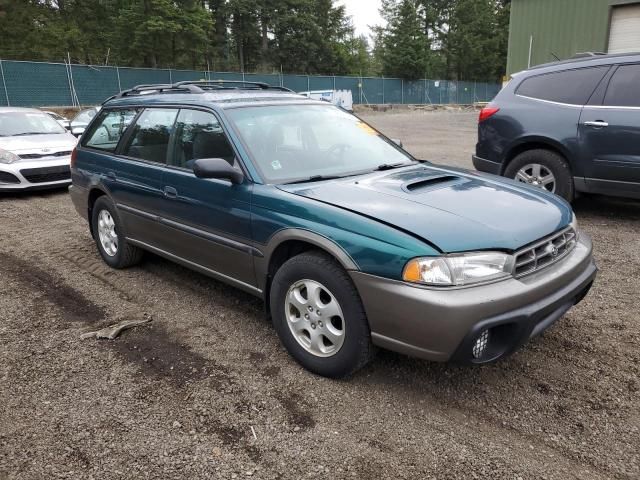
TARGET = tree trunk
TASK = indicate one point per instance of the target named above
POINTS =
(264, 45)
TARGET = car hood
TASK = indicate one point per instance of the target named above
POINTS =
(453, 210)
(31, 143)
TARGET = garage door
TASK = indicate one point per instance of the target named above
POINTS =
(625, 29)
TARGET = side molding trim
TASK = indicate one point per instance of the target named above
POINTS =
(199, 268)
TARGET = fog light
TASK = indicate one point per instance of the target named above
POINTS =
(482, 342)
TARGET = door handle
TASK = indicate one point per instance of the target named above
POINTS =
(170, 192)
(111, 176)
(597, 124)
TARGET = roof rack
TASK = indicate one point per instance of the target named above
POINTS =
(197, 86)
(588, 54)
(230, 84)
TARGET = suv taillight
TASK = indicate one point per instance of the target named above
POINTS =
(487, 112)
(74, 156)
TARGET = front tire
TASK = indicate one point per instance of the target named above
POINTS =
(110, 240)
(319, 317)
(544, 169)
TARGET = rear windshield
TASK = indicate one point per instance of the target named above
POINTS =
(573, 87)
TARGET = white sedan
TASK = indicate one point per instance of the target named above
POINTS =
(35, 151)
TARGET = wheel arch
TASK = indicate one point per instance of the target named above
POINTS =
(536, 143)
(95, 192)
(288, 243)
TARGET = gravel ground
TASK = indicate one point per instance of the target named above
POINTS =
(206, 391)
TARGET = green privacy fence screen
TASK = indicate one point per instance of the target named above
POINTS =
(58, 84)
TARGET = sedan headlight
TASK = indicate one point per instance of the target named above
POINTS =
(460, 269)
(8, 157)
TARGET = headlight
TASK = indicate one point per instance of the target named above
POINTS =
(8, 157)
(462, 269)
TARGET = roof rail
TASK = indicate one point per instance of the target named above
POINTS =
(196, 86)
(232, 84)
(588, 54)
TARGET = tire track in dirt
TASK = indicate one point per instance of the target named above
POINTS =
(75, 306)
(153, 351)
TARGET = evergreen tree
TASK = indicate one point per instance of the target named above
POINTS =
(404, 43)
(459, 39)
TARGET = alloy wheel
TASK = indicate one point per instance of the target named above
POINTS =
(107, 233)
(315, 318)
(538, 176)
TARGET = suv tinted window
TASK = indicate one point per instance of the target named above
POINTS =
(199, 135)
(569, 86)
(108, 128)
(624, 87)
(150, 136)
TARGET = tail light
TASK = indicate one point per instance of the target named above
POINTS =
(74, 156)
(487, 112)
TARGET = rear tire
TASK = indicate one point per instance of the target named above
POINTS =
(319, 317)
(110, 239)
(547, 161)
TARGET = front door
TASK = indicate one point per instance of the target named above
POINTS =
(207, 221)
(609, 135)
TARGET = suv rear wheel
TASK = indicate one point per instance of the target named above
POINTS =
(319, 317)
(544, 169)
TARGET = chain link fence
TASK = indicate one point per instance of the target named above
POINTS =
(58, 84)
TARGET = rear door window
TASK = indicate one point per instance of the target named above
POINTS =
(150, 135)
(106, 131)
(624, 87)
(573, 87)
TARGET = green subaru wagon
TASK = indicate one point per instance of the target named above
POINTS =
(351, 242)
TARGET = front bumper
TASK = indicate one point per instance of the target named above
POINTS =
(484, 165)
(36, 174)
(443, 324)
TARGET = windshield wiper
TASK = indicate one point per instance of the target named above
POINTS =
(31, 133)
(316, 178)
(390, 166)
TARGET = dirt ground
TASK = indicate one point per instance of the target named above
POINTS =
(206, 391)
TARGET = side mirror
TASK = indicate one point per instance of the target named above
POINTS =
(397, 142)
(217, 168)
(77, 131)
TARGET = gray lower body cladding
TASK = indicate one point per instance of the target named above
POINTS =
(442, 325)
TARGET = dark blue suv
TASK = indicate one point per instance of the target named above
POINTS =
(350, 241)
(571, 126)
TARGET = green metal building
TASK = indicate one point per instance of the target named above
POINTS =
(541, 30)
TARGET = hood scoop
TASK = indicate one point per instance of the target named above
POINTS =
(430, 182)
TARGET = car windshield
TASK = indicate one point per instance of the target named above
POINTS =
(13, 124)
(292, 143)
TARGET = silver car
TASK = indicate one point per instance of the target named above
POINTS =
(35, 151)
(63, 121)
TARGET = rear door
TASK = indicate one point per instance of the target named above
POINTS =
(136, 176)
(206, 221)
(609, 135)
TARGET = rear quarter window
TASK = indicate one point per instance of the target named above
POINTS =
(107, 130)
(624, 88)
(573, 87)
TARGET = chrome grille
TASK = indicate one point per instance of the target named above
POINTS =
(545, 252)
